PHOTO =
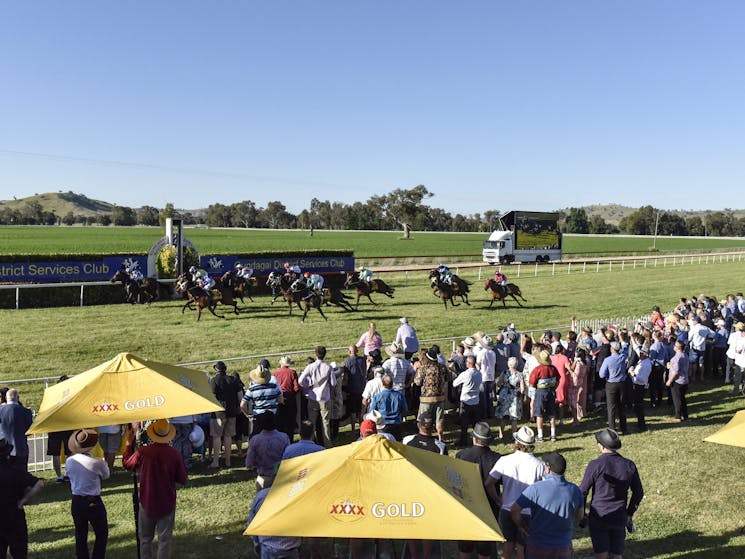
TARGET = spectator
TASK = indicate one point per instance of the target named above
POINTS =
(697, 338)
(306, 444)
(613, 372)
(160, 469)
(355, 369)
(514, 472)
(370, 339)
(272, 547)
(110, 441)
(319, 379)
(222, 425)
(640, 377)
(545, 379)
(86, 473)
(15, 420)
(17, 488)
(658, 357)
(372, 387)
(554, 504)
(288, 384)
(406, 337)
(719, 352)
(510, 396)
(183, 425)
(677, 381)
(392, 406)
(610, 477)
(577, 395)
(432, 377)
(485, 457)
(486, 361)
(380, 427)
(399, 369)
(470, 411)
(560, 360)
(736, 353)
(266, 449)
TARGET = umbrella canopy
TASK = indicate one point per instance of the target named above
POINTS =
(733, 433)
(125, 389)
(377, 488)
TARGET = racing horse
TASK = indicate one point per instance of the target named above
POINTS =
(459, 286)
(365, 288)
(444, 291)
(241, 286)
(203, 300)
(299, 297)
(335, 296)
(511, 290)
(144, 291)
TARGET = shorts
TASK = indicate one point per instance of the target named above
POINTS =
(436, 410)
(539, 552)
(607, 540)
(696, 356)
(222, 426)
(56, 441)
(486, 549)
(110, 443)
(544, 404)
(509, 528)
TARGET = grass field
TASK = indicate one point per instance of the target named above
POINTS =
(690, 511)
(365, 244)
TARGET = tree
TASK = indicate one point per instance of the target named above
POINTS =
(640, 222)
(244, 214)
(32, 213)
(123, 216)
(576, 221)
(695, 226)
(69, 218)
(275, 215)
(218, 215)
(148, 215)
(103, 219)
(671, 224)
(598, 226)
(405, 206)
(167, 212)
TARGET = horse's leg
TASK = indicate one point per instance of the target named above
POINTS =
(491, 302)
(211, 307)
(186, 305)
(320, 310)
(516, 301)
(305, 313)
(358, 301)
(373, 302)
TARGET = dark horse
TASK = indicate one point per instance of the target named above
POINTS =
(304, 298)
(365, 288)
(202, 299)
(241, 286)
(458, 286)
(510, 290)
(335, 296)
(144, 291)
(444, 291)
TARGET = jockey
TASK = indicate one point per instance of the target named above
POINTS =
(202, 278)
(244, 271)
(501, 280)
(291, 272)
(135, 274)
(315, 285)
(446, 276)
(298, 285)
(365, 274)
(274, 284)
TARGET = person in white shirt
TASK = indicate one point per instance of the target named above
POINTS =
(640, 378)
(470, 383)
(85, 473)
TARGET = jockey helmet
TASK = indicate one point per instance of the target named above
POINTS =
(287, 264)
(237, 265)
(307, 274)
(362, 268)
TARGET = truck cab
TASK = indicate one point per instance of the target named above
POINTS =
(498, 248)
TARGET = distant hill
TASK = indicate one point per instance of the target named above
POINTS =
(613, 213)
(61, 203)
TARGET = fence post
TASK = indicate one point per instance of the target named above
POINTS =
(18, 300)
(623, 265)
(584, 266)
(553, 269)
(634, 263)
(519, 267)
(610, 265)
(81, 294)
(406, 278)
(645, 263)
(536, 270)
(664, 262)
(597, 266)
(479, 273)
(569, 268)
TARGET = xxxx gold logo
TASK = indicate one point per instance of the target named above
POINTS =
(346, 510)
(104, 407)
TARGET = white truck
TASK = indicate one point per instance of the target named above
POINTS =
(524, 237)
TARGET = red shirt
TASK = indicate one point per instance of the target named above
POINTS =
(542, 371)
(287, 379)
(161, 468)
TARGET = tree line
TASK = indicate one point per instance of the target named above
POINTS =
(399, 209)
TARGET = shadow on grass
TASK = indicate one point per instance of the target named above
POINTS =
(688, 544)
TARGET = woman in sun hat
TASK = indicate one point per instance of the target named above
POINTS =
(85, 473)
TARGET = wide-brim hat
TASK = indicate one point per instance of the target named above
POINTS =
(525, 435)
(259, 375)
(482, 431)
(486, 342)
(82, 440)
(196, 437)
(220, 367)
(161, 431)
(395, 350)
(468, 342)
(543, 357)
(376, 417)
(286, 360)
(431, 354)
(403, 320)
(609, 439)
(587, 330)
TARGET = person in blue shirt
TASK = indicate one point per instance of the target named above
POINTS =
(555, 505)
(613, 371)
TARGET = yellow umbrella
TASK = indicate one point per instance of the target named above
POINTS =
(377, 488)
(733, 433)
(125, 389)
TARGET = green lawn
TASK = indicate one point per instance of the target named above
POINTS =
(691, 509)
(365, 244)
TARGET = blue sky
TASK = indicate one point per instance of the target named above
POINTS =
(490, 104)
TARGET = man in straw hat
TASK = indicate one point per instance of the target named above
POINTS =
(86, 472)
(398, 368)
(432, 377)
(544, 378)
(17, 488)
(263, 394)
(480, 453)
(515, 472)
(160, 469)
(287, 378)
(486, 362)
(610, 477)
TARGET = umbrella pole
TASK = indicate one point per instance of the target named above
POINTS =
(136, 507)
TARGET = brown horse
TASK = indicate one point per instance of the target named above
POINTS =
(241, 286)
(143, 291)
(335, 296)
(303, 297)
(458, 285)
(365, 288)
(444, 291)
(498, 294)
(202, 299)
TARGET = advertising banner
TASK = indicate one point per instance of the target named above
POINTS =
(68, 270)
(218, 264)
